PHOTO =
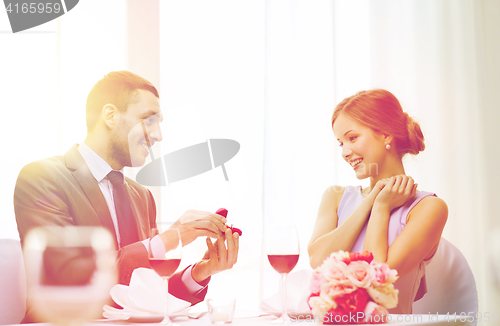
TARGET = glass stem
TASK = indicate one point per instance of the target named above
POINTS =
(166, 295)
(283, 276)
(166, 320)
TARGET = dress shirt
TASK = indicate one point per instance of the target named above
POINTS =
(100, 169)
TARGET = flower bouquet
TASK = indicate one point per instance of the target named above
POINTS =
(351, 288)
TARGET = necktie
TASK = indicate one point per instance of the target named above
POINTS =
(124, 215)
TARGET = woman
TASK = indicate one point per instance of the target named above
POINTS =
(399, 225)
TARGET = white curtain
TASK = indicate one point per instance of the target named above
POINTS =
(212, 86)
(437, 57)
(46, 74)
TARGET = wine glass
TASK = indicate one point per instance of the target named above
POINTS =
(283, 250)
(167, 264)
(70, 271)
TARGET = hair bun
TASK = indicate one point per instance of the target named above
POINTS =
(381, 111)
(415, 135)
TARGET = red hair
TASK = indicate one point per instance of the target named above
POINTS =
(381, 111)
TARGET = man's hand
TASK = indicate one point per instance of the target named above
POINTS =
(218, 257)
(193, 224)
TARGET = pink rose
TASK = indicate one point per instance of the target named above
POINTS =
(316, 280)
(383, 274)
(385, 295)
(335, 289)
(353, 285)
(333, 270)
(319, 304)
(375, 314)
(359, 273)
(340, 256)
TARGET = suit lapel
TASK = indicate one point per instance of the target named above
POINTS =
(82, 174)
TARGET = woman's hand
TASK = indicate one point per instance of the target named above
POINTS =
(377, 189)
(393, 192)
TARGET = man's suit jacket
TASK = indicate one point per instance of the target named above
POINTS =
(62, 191)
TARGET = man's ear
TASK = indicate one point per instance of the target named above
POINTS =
(109, 115)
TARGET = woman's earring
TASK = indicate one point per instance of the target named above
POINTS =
(388, 147)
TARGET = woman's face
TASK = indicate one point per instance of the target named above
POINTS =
(362, 147)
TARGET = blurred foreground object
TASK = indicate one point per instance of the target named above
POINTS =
(12, 282)
(70, 271)
(221, 311)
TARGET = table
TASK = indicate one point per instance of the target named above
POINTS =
(247, 318)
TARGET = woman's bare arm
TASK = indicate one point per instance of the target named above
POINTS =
(418, 240)
(327, 237)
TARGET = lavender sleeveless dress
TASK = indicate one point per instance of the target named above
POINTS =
(412, 286)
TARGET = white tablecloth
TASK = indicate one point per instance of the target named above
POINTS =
(258, 318)
(243, 318)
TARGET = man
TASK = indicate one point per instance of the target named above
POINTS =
(86, 187)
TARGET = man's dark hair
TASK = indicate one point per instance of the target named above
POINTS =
(118, 88)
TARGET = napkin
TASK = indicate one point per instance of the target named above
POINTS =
(297, 293)
(145, 296)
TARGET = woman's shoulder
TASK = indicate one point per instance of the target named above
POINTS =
(431, 207)
(431, 214)
(337, 192)
(334, 191)
(332, 195)
(430, 199)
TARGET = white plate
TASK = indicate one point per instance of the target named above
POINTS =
(143, 318)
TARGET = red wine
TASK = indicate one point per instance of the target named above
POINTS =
(165, 267)
(283, 263)
(68, 265)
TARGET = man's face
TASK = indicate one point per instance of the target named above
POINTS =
(137, 129)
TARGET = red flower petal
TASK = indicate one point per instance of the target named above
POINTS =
(366, 256)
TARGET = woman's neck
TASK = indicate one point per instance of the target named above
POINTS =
(390, 169)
